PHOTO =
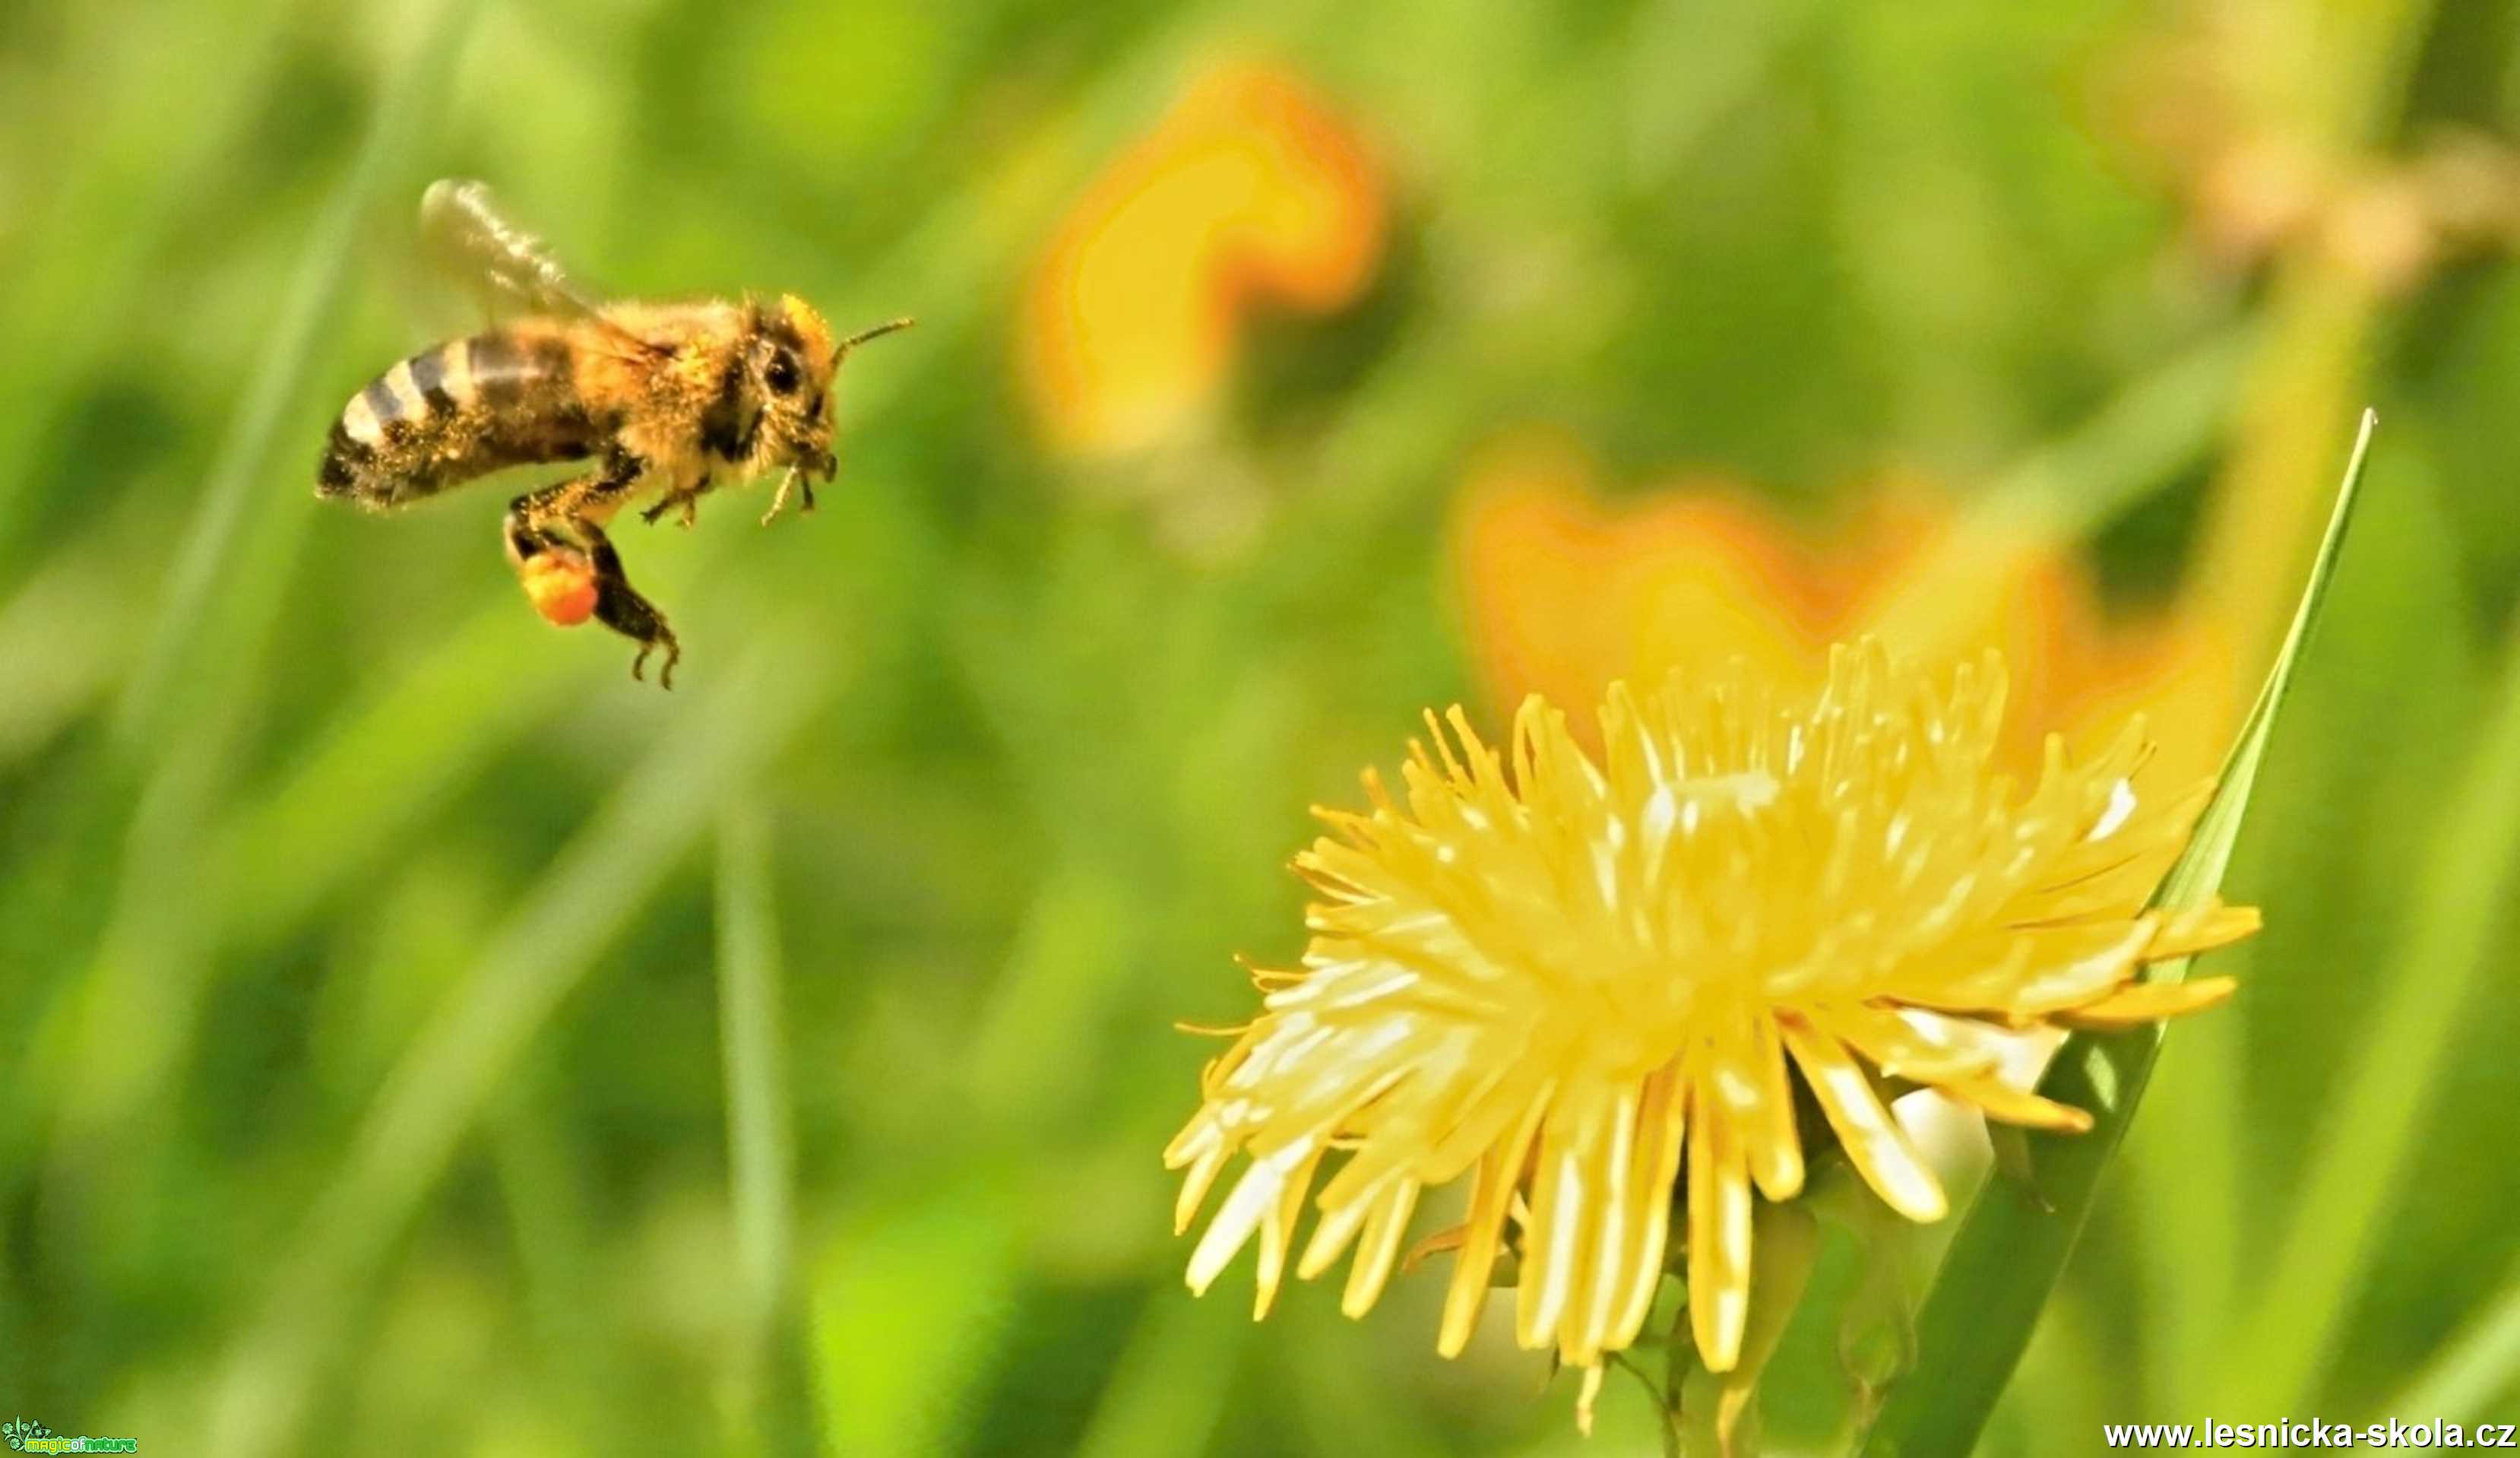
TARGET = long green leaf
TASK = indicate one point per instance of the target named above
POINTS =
(2012, 1245)
(2368, 1138)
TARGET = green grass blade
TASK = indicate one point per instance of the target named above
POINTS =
(83, 256)
(2012, 1245)
(184, 709)
(554, 941)
(397, 752)
(770, 1412)
(1169, 1392)
(231, 567)
(2366, 1142)
(2473, 1371)
(63, 634)
(2140, 440)
(917, 1297)
(752, 1042)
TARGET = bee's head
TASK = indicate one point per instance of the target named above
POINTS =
(793, 357)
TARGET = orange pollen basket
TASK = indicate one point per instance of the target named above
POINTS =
(561, 587)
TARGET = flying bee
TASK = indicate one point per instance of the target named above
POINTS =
(667, 401)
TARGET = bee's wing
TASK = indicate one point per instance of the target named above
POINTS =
(463, 223)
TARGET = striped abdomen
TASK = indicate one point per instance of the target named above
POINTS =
(464, 409)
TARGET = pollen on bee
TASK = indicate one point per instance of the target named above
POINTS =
(561, 585)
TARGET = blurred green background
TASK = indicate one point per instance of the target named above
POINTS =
(421, 1038)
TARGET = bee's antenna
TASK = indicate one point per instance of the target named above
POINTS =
(840, 350)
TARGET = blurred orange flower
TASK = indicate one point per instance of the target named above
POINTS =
(1564, 592)
(1248, 190)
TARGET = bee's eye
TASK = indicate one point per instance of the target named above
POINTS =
(782, 375)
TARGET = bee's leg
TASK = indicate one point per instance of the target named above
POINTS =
(620, 606)
(550, 519)
(524, 533)
(567, 520)
(778, 501)
(688, 498)
(801, 477)
(556, 575)
(617, 605)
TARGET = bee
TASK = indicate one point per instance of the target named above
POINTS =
(668, 401)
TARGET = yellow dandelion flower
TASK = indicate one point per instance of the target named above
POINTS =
(1597, 987)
